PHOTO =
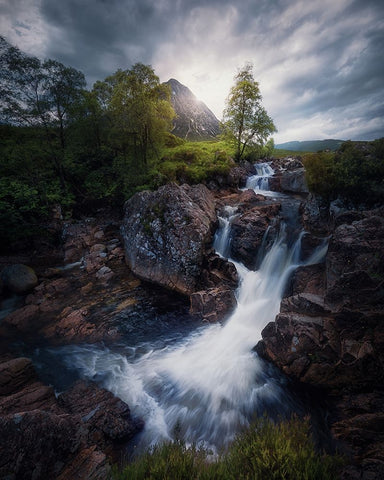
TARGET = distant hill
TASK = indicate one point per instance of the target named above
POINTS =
(194, 121)
(311, 145)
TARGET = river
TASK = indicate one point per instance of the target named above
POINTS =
(203, 383)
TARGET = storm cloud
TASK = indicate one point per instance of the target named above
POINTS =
(319, 63)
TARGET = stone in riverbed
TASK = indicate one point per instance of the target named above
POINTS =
(19, 278)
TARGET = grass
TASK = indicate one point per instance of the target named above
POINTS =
(195, 162)
(280, 153)
(283, 451)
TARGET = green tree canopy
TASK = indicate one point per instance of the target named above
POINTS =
(246, 122)
(138, 109)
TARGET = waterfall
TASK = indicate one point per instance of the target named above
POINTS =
(222, 239)
(211, 383)
(260, 181)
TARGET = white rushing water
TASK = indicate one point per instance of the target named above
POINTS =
(260, 181)
(212, 382)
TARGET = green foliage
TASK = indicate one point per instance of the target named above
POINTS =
(355, 172)
(319, 172)
(246, 123)
(139, 112)
(282, 451)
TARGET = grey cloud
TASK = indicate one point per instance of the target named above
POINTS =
(307, 46)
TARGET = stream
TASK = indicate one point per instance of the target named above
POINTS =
(206, 383)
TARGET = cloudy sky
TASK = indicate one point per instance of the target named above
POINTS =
(319, 63)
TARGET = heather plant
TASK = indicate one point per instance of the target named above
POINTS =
(266, 450)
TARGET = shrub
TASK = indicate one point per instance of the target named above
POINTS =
(355, 172)
(282, 451)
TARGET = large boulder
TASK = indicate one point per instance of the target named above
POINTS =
(19, 278)
(166, 233)
(294, 181)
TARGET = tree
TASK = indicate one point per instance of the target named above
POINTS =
(246, 123)
(139, 111)
(39, 94)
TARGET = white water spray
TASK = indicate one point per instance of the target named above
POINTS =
(260, 181)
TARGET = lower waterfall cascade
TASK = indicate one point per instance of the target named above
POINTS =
(211, 383)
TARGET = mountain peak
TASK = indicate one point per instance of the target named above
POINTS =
(194, 121)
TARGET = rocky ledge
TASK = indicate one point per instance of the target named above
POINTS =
(70, 436)
(330, 334)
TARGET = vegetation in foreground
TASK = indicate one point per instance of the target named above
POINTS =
(282, 451)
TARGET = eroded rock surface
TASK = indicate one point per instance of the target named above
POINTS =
(42, 437)
(330, 334)
(166, 232)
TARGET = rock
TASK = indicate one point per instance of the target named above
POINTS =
(104, 274)
(89, 464)
(101, 412)
(218, 271)
(315, 216)
(166, 232)
(294, 181)
(214, 304)
(248, 232)
(355, 263)
(308, 279)
(36, 444)
(19, 278)
(24, 319)
(42, 437)
(15, 374)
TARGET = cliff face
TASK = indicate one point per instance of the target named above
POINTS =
(194, 119)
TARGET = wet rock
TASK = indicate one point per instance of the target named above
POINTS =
(23, 319)
(214, 304)
(166, 232)
(308, 279)
(89, 464)
(218, 271)
(104, 415)
(43, 437)
(18, 278)
(248, 232)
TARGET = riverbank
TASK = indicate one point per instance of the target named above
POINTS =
(170, 366)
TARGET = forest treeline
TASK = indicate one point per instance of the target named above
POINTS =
(65, 145)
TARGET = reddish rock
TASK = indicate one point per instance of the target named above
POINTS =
(89, 464)
(248, 232)
(308, 279)
(42, 437)
(101, 412)
(214, 304)
(355, 263)
(15, 374)
(24, 318)
(36, 444)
